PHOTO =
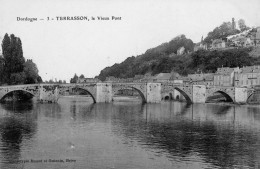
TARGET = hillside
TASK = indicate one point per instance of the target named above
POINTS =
(166, 58)
(154, 60)
(199, 61)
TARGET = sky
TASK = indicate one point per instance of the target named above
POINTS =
(62, 48)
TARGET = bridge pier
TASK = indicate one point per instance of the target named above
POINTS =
(153, 93)
(240, 95)
(198, 93)
(48, 93)
(104, 93)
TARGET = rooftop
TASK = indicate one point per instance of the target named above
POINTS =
(250, 69)
(163, 76)
(226, 70)
(201, 76)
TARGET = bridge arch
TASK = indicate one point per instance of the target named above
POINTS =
(130, 87)
(226, 95)
(86, 90)
(10, 91)
(251, 95)
(186, 96)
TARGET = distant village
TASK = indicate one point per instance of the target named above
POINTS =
(248, 76)
(247, 38)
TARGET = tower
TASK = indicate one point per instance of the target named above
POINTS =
(233, 24)
(1, 39)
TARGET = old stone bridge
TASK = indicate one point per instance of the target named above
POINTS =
(149, 92)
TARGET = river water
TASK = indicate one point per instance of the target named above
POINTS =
(75, 134)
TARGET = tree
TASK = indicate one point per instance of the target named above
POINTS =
(31, 72)
(1, 70)
(17, 78)
(39, 79)
(222, 31)
(81, 76)
(13, 59)
(242, 25)
(74, 79)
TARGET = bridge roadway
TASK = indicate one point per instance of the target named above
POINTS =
(149, 92)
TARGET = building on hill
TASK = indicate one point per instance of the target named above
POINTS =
(257, 37)
(248, 76)
(172, 55)
(233, 24)
(181, 51)
(218, 44)
(162, 77)
(147, 78)
(225, 76)
(199, 46)
(176, 78)
(242, 41)
(247, 42)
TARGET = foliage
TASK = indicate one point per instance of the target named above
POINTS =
(209, 61)
(153, 60)
(222, 31)
(81, 76)
(201, 60)
(17, 78)
(31, 72)
(242, 25)
(13, 68)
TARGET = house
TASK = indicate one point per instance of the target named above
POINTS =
(176, 78)
(162, 77)
(225, 76)
(249, 76)
(201, 79)
(147, 78)
(199, 46)
(172, 77)
(181, 51)
(218, 44)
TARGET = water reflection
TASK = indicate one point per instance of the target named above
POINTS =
(177, 131)
(48, 110)
(17, 127)
(130, 134)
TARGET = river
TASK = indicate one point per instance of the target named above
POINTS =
(77, 134)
